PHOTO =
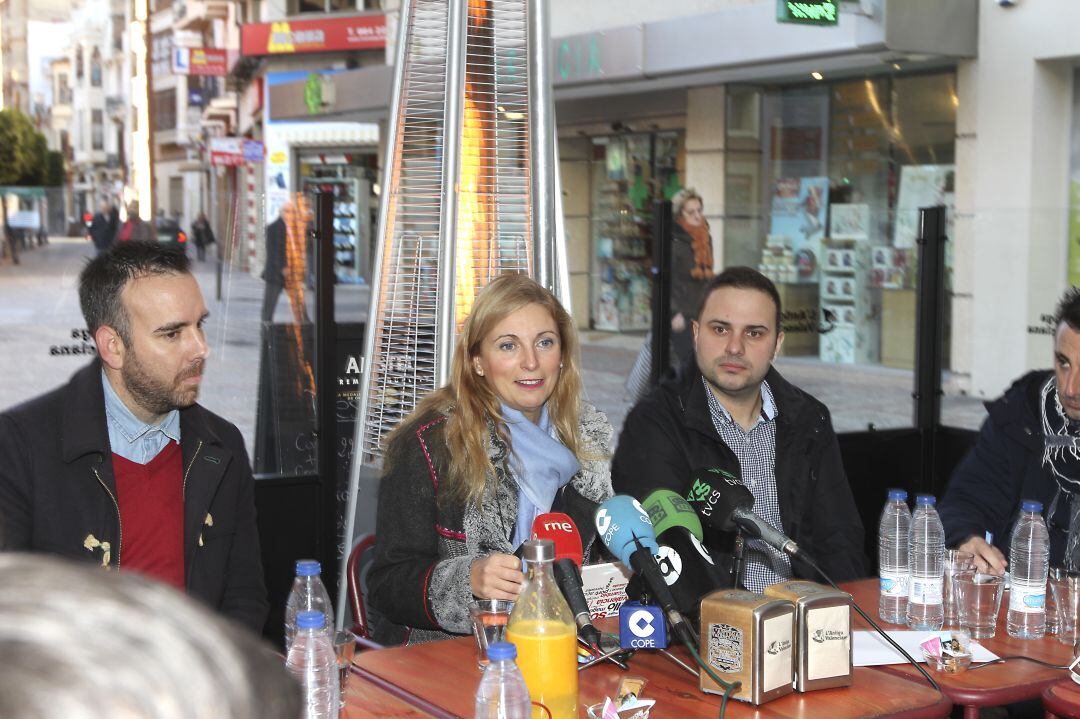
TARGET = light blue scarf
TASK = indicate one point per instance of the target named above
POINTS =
(541, 464)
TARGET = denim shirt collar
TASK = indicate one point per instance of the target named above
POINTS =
(125, 429)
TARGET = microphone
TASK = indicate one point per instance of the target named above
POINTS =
(560, 529)
(685, 563)
(725, 503)
(625, 529)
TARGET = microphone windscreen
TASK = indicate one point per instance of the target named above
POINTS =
(623, 525)
(667, 509)
(715, 494)
(559, 528)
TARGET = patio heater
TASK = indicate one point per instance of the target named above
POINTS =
(469, 191)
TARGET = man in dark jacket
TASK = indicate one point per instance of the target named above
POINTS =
(274, 269)
(120, 467)
(731, 410)
(1028, 448)
(101, 229)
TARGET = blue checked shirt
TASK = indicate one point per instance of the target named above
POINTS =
(756, 452)
(129, 436)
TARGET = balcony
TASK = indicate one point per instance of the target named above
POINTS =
(199, 15)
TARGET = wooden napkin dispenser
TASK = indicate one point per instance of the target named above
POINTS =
(748, 638)
(822, 633)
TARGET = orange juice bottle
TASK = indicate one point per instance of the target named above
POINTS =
(543, 629)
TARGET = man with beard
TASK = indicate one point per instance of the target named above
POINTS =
(728, 408)
(120, 467)
(1028, 448)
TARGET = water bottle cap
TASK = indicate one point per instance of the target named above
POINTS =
(307, 568)
(500, 651)
(539, 550)
(1030, 505)
(897, 495)
(925, 500)
(310, 620)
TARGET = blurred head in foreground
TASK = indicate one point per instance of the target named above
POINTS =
(79, 643)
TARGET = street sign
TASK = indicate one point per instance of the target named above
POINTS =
(206, 61)
(291, 37)
(808, 12)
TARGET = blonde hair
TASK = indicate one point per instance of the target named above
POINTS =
(468, 401)
(681, 198)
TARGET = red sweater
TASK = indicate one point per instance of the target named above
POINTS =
(151, 500)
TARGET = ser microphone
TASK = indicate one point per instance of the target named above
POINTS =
(625, 529)
(684, 561)
(724, 502)
(560, 529)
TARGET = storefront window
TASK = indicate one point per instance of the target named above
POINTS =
(350, 177)
(628, 173)
(822, 189)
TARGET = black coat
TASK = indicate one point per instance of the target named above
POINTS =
(1001, 470)
(274, 269)
(670, 433)
(101, 231)
(57, 488)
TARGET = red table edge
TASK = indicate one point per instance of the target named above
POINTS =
(1056, 706)
(975, 697)
(403, 694)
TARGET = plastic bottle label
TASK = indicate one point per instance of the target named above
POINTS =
(1027, 598)
(925, 591)
(894, 584)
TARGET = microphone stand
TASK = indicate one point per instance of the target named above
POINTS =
(737, 559)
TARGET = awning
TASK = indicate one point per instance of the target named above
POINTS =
(325, 134)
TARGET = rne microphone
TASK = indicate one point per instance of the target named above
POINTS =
(724, 502)
(560, 529)
(625, 529)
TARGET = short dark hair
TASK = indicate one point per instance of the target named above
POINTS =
(103, 279)
(743, 278)
(1068, 309)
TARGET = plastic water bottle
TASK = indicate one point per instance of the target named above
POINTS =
(307, 594)
(312, 661)
(1029, 560)
(502, 693)
(893, 558)
(926, 562)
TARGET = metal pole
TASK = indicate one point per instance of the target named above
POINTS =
(661, 305)
(929, 339)
(385, 200)
(326, 370)
(541, 144)
(451, 171)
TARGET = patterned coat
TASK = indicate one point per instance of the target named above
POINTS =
(418, 585)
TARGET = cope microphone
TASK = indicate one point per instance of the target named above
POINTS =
(560, 529)
(724, 502)
(685, 563)
(625, 529)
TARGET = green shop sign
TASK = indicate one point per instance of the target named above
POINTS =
(808, 12)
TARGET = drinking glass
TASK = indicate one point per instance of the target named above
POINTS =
(489, 618)
(979, 602)
(957, 563)
(1065, 586)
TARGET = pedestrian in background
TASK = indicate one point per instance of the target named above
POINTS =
(134, 227)
(203, 236)
(101, 231)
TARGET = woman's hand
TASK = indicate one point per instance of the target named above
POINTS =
(496, 576)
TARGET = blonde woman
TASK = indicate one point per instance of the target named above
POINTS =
(507, 438)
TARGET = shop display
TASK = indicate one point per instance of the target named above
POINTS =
(799, 206)
(920, 186)
(352, 210)
(849, 326)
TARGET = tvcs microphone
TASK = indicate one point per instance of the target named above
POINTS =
(559, 528)
(724, 502)
(685, 563)
(625, 529)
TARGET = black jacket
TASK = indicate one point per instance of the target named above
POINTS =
(57, 488)
(274, 269)
(670, 433)
(101, 231)
(1001, 470)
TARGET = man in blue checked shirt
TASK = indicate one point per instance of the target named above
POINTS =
(730, 409)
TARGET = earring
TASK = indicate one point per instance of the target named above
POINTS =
(560, 365)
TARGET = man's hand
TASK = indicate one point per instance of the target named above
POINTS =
(496, 576)
(988, 558)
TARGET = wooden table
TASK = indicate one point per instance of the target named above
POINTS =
(1011, 681)
(445, 674)
(365, 699)
(1061, 700)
